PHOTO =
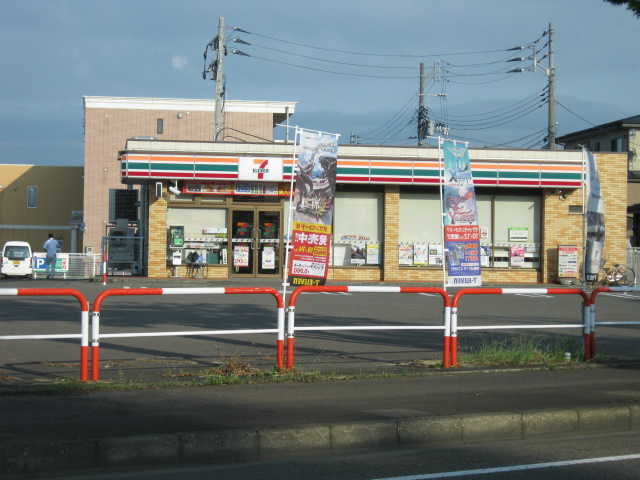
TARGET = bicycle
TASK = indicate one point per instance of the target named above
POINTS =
(618, 275)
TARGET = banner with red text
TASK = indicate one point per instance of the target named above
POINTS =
(313, 202)
(461, 232)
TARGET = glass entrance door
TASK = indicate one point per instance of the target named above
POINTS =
(255, 242)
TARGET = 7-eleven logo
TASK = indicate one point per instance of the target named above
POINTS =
(260, 167)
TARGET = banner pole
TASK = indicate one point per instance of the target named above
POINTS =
(584, 218)
(442, 214)
(290, 214)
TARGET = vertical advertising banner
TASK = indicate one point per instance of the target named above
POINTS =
(313, 202)
(461, 231)
(595, 220)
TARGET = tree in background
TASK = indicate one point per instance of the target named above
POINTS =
(633, 5)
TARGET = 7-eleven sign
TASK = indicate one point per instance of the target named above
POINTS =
(267, 169)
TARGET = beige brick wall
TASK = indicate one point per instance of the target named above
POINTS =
(158, 237)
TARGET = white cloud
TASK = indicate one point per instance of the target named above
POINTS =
(179, 62)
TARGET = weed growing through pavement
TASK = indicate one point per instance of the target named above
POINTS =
(518, 351)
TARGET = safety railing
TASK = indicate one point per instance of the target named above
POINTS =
(96, 336)
(291, 327)
(592, 315)
(69, 265)
(512, 291)
(84, 321)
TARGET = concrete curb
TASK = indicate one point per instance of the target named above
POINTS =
(241, 445)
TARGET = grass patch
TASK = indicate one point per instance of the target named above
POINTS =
(517, 351)
(235, 369)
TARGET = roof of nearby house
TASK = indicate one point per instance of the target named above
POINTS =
(624, 123)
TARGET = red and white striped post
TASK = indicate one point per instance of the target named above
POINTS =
(104, 268)
(97, 305)
(84, 321)
(360, 289)
(592, 316)
(513, 291)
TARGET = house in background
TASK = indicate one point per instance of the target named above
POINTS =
(618, 136)
(38, 200)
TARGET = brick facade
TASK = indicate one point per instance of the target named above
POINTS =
(559, 227)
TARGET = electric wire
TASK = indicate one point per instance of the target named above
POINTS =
(507, 114)
(412, 77)
(584, 119)
(405, 117)
(365, 53)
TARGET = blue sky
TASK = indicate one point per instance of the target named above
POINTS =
(352, 66)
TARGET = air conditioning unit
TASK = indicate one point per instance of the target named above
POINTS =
(123, 204)
(88, 249)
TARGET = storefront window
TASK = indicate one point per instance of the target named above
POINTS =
(205, 232)
(420, 233)
(510, 228)
(515, 240)
(357, 230)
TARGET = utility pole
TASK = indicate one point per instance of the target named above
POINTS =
(219, 81)
(551, 134)
(422, 113)
(551, 75)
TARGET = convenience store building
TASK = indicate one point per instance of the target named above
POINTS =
(229, 203)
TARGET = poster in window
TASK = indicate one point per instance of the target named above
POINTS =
(358, 251)
(435, 254)
(405, 254)
(420, 254)
(373, 253)
(517, 256)
(268, 258)
(484, 255)
(241, 256)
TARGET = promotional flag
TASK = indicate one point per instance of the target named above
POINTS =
(313, 202)
(595, 220)
(461, 231)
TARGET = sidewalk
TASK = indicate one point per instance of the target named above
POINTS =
(226, 424)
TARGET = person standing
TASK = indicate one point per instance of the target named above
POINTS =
(51, 247)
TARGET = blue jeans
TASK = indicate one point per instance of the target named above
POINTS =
(50, 265)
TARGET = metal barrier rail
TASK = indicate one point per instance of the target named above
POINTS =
(84, 321)
(498, 291)
(95, 318)
(296, 293)
(592, 316)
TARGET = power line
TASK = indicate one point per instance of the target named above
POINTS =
(237, 29)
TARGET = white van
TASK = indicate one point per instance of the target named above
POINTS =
(17, 260)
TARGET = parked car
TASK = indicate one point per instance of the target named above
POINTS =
(17, 260)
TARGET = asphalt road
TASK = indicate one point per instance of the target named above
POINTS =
(325, 349)
(591, 457)
(178, 427)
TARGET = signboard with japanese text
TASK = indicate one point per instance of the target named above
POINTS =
(237, 188)
(62, 262)
(313, 201)
(461, 230)
(310, 253)
(567, 261)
